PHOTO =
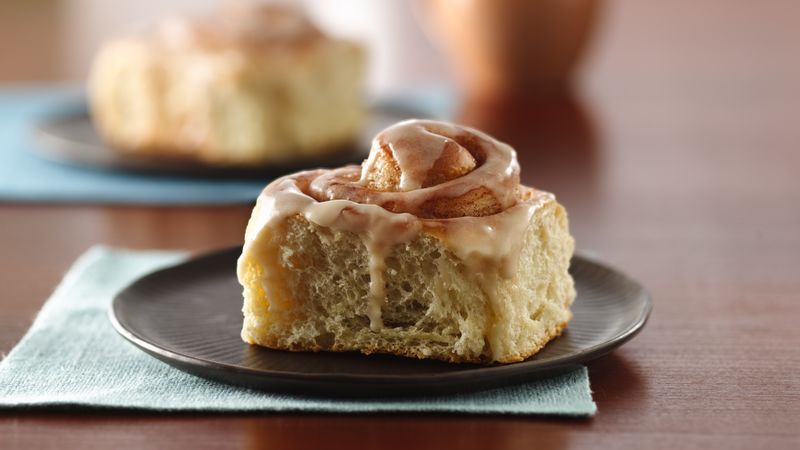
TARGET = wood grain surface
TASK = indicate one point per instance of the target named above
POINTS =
(678, 162)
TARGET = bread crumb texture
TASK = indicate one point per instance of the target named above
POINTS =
(306, 288)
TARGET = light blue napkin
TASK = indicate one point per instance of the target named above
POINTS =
(72, 357)
(25, 177)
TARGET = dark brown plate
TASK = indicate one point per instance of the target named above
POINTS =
(71, 138)
(190, 316)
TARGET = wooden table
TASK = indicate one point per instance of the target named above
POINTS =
(678, 162)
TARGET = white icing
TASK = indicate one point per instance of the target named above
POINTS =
(499, 171)
(490, 247)
(379, 230)
(492, 243)
(415, 148)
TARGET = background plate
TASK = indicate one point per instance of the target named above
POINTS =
(190, 316)
(71, 138)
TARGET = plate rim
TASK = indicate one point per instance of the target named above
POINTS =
(526, 367)
(58, 148)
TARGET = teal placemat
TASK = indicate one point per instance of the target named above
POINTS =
(24, 177)
(72, 357)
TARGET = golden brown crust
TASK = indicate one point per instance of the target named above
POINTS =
(551, 334)
(454, 162)
(384, 175)
(276, 343)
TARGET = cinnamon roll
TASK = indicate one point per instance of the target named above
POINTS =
(430, 249)
(250, 85)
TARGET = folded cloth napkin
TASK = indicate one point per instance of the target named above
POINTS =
(72, 357)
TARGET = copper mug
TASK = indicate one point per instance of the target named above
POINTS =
(510, 48)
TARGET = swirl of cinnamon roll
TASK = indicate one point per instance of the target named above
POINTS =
(430, 169)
